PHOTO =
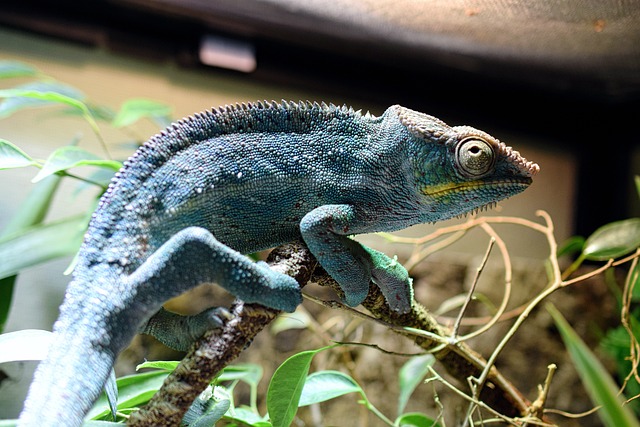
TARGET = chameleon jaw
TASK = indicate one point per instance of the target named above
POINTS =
(442, 190)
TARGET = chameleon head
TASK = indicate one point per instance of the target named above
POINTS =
(461, 169)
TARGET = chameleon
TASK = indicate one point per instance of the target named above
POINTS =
(194, 199)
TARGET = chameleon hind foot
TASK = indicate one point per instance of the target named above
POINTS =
(178, 331)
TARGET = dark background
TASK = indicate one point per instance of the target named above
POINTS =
(543, 69)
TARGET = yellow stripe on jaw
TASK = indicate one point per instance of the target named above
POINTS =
(449, 188)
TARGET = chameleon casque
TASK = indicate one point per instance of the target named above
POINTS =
(235, 180)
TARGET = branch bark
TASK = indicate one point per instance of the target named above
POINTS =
(218, 348)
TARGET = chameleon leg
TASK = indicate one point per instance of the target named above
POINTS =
(193, 256)
(325, 230)
(179, 332)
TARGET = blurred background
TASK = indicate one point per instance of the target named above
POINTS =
(557, 80)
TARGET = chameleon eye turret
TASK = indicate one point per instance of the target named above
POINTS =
(475, 157)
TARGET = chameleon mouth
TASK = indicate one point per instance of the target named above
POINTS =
(441, 190)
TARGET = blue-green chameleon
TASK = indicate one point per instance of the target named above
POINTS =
(235, 180)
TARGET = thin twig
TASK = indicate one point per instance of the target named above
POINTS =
(508, 274)
(537, 407)
(472, 289)
(480, 381)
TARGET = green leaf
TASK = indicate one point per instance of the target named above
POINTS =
(12, 157)
(249, 373)
(9, 69)
(28, 344)
(39, 94)
(91, 423)
(286, 387)
(31, 212)
(205, 411)
(14, 423)
(415, 419)
(133, 390)
(41, 243)
(133, 110)
(168, 366)
(613, 240)
(99, 112)
(70, 157)
(571, 246)
(247, 416)
(597, 381)
(634, 276)
(35, 207)
(111, 391)
(299, 319)
(411, 375)
(637, 180)
(326, 385)
(7, 284)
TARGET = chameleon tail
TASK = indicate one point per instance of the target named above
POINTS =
(83, 350)
(66, 383)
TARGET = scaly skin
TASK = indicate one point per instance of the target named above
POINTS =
(192, 200)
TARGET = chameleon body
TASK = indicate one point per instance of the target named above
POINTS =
(234, 180)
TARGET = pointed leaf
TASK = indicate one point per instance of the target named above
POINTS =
(133, 110)
(7, 284)
(28, 344)
(613, 240)
(41, 243)
(12, 157)
(90, 423)
(111, 391)
(286, 387)
(35, 207)
(39, 94)
(571, 246)
(415, 419)
(215, 413)
(596, 379)
(299, 319)
(133, 390)
(168, 366)
(326, 385)
(9, 69)
(411, 375)
(71, 156)
(247, 416)
(31, 212)
(249, 373)
(205, 411)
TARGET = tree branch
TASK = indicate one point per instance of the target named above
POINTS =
(218, 348)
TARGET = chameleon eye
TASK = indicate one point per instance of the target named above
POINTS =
(475, 157)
